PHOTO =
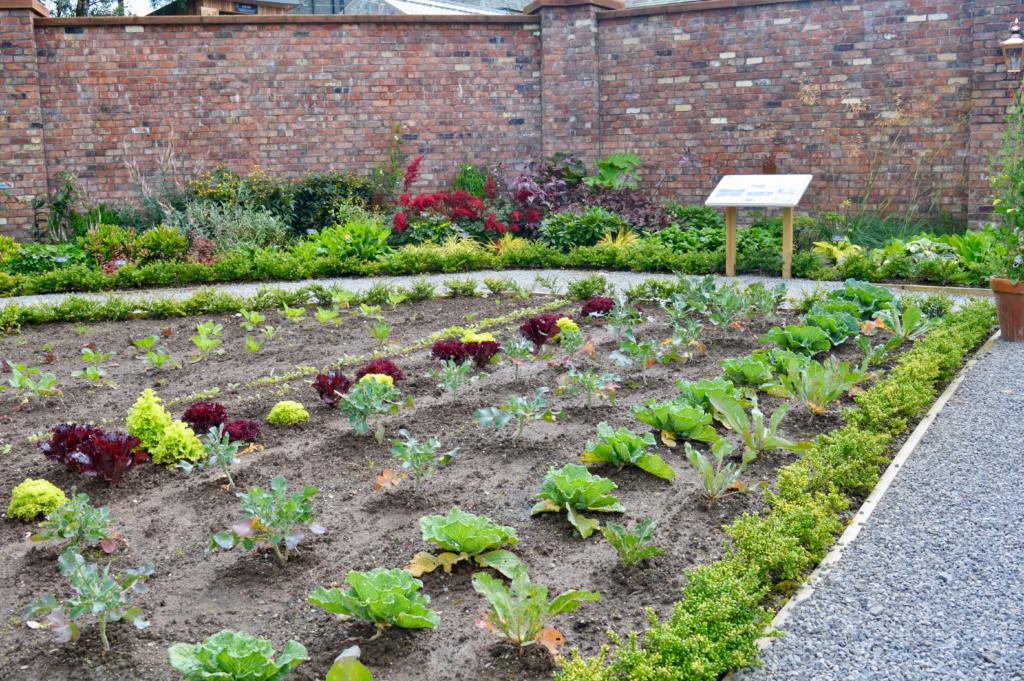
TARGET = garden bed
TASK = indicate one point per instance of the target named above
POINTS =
(168, 517)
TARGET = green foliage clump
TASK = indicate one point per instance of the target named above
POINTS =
(235, 656)
(78, 524)
(147, 419)
(33, 498)
(565, 231)
(177, 443)
(573, 489)
(463, 536)
(363, 240)
(383, 597)
(287, 413)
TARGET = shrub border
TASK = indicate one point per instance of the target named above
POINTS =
(720, 623)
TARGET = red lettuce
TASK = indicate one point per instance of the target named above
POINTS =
(381, 366)
(540, 329)
(65, 439)
(202, 416)
(331, 386)
(598, 305)
(242, 430)
(94, 453)
(450, 349)
(481, 352)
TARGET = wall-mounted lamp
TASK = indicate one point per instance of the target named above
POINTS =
(1013, 48)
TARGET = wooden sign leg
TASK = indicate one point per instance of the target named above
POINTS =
(730, 242)
(787, 243)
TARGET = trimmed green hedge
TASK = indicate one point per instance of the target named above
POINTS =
(715, 627)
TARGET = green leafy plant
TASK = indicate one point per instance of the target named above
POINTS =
(295, 315)
(325, 316)
(453, 376)
(380, 331)
(695, 393)
(30, 382)
(719, 477)
(617, 171)
(876, 354)
(619, 447)
(220, 452)
(347, 667)
(590, 383)
(252, 345)
(420, 458)
(368, 397)
(838, 325)
(94, 371)
(464, 536)
(870, 299)
(251, 319)
(79, 525)
(816, 385)
(906, 325)
(461, 288)
(519, 409)
(235, 656)
(156, 355)
(177, 443)
(148, 419)
(632, 351)
(726, 307)
(272, 517)
(97, 593)
(573, 489)
(806, 340)
(383, 597)
(33, 497)
(757, 436)
(750, 373)
(569, 229)
(287, 413)
(518, 351)
(677, 420)
(522, 611)
(207, 338)
(634, 545)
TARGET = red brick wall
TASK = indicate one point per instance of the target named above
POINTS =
(289, 98)
(872, 98)
(894, 103)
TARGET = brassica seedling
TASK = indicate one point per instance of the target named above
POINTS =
(420, 458)
(518, 409)
(635, 545)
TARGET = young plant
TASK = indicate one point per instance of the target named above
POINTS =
(272, 517)
(763, 301)
(726, 307)
(677, 420)
(221, 451)
(235, 656)
(251, 319)
(572, 488)
(623, 318)
(97, 593)
(632, 351)
(206, 339)
(804, 340)
(453, 376)
(382, 597)
(328, 316)
(632, 546)
(373, 394)
(30, 382)
(590, 383)
(464, 536)
(156, 355)
(419, 458)
(816, 385)
(876, 354)
(94, 371)
(621, 447)
(719, 477)
(252, 345)
(908, 325)
(695, 393)
(79, 525)
(269, 333)
(518, 409)
(521, 612)
(381, 332)
(295, 315)
(757, 435)
(750, 373)
(518, 351)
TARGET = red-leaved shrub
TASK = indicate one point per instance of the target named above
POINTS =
(331, 386)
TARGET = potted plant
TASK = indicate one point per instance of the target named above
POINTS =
(1008, 181)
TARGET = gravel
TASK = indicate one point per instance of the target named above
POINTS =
(933, 587)
(526, 278)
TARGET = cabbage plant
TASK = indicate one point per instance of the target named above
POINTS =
(572, 488)
(619, 447)
(381, 596)
(465, 536)
(235, 656)
(677, 420)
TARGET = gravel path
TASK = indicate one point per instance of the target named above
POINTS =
(357, 284)
(933, 587)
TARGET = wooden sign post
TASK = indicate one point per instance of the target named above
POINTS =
(759, 191)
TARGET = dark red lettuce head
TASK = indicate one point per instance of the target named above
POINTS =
(540, 329)
(598, 305)
(65, 439)
(242, 430)
(381, 366)
(450, 349)
(331, 386)
(481, 352)
(108, 456)
(202, 416)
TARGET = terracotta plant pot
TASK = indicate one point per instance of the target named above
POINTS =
(1010, 304)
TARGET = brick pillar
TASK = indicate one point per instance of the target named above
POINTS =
(22, 164)
(991, 87)
(570, 79)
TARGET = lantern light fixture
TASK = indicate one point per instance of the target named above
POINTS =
(1013, 48)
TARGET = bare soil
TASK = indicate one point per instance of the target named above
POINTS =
(168, 517)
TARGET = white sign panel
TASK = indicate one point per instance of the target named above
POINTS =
(770, 191)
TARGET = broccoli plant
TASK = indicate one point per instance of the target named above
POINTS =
(763, 301)
(452, 376)
(521, 612)
(726, 307)
(757, 435)
(383, 597)
(719, 477)
(465, 536)
(518, 351)
(374, 394)
(518, 409)
(419, 458)
(97, 593)
(634, 545)
(235, 656)
(623, 318)
(633, 351)
(79, 525)
(816, 385)
(572, 488)
(590, 383)
(623, 446)
(677, 420)
(221, 451)
(272, 517)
